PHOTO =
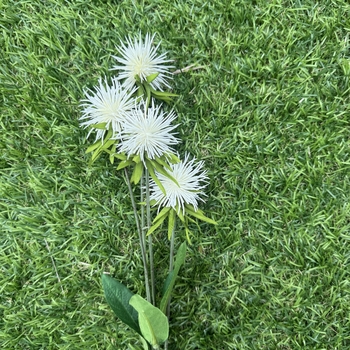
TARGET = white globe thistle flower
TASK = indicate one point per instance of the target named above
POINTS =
(189, 176)
(140, 59)
(109, 104)
(147, 132)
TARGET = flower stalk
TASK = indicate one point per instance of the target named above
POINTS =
(139, 230)
(150, 239)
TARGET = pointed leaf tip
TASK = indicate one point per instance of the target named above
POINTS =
(118, 297)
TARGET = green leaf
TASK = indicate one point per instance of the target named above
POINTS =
(147, 89)
(112, 154)
(171, 223)
(156, 225)
(94, 146)
(153, 176)
(163, 93)
(137, 158)
(151, 77)
(162, 171)
(170, 281)
(108, 136)
(162, 161)
(121, 156)
(124, 163)
(199, 215)
(153, 323)
(164, 211)
(100, 126)
(118, 297)
(137, 173)
(185, 222)
(188, 233)
(95, 155)
(180, 215)
(139, 91)
(174, 159)
(107, 144)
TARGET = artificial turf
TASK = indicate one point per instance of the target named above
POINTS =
(266, 107)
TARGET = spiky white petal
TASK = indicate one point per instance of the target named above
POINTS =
(139, 58)
(108, 104)
(148, 132)
(189, 176)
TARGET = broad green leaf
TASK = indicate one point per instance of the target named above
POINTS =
(170, 281)
(153, 323)
(166, 286)
(171, 223)
(118, 297)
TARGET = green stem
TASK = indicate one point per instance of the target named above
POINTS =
(143, 225)
(171, 267)
(150, 246)
(171, 257)
(143, 250)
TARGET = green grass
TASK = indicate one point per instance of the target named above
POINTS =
(268, 112)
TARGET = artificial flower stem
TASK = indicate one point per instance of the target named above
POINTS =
(143, 223)
(171, 255)
(171, 267)
(143, 250)
(150, 246)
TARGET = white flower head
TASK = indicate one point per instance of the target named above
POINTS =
(189, 176)
(109, 104)
(140, 59)
(147, 132)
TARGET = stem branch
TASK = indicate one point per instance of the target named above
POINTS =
(143, 250)
(150, 246)
(171, 267)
